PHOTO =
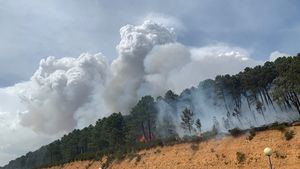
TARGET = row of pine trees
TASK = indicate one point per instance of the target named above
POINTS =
(118, 135)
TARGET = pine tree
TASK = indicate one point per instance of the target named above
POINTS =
(198, 125)
(187, 120)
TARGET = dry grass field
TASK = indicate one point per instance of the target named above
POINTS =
(226, 152)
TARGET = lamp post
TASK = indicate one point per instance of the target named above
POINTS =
(268, 152)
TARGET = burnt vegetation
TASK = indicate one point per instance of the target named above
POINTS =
(118, 135)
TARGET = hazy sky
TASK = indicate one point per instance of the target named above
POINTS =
(230, 33)
(34, 29)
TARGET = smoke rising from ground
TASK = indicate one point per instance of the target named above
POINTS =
(178, 67)
(206, 106)
(68, 93)
(128, 70)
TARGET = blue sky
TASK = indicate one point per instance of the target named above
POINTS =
(33, 29)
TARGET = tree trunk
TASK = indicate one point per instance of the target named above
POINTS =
(294, 100)
(248, 102)
(265, 97)
(296, 97)
(144, 133)
(269, 98)
(149, 129)
(262, 100)
(286, 99)
(223, 95)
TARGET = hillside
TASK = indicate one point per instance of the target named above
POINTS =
(254, 97)
(216, 153)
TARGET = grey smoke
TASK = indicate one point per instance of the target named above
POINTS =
(178, 67)
(59, 88)
(69, 93)
(208, 109)
(161, 64)
(128, 70)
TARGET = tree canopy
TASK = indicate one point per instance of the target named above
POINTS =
(115, 136)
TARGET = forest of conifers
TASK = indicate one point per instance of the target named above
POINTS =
(274, 85)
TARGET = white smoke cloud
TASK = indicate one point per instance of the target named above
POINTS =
(209, 61)
(16, 139)
(177, 67)
(69, 93)
(165, 20)
(162, 62)
(59, 88)
(128, 69)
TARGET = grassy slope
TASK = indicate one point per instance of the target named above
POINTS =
(214, 154)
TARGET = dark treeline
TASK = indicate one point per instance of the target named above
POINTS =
(274, 84)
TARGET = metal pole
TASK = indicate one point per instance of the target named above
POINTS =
(270, 162)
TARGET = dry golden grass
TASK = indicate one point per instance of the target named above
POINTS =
(214, 154)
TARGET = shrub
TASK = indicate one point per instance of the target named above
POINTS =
(195, 139)
(107, 163)
(138, 158)
(251, 135)
(169, 141)
(131, 155)
(209, 134)
(157, 151)
(195, 147)
(235, 132)
(261, 128)
(280, 154)
(240, 157)
(276, 126)
(289, 134)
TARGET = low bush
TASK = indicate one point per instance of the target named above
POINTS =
(195, 147)
(193, 139)
(209, 134)
(289, 135)
(138, 158)
(240, 157)
(280, 127)
(261, 128)
(235, 132)
(131, 156)
(251, 135)
(280, 154)
(157, 151)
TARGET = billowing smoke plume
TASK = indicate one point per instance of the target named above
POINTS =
(73, 92)
(162, 65)
(59, 88)
(177, 67)
(128, 69)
